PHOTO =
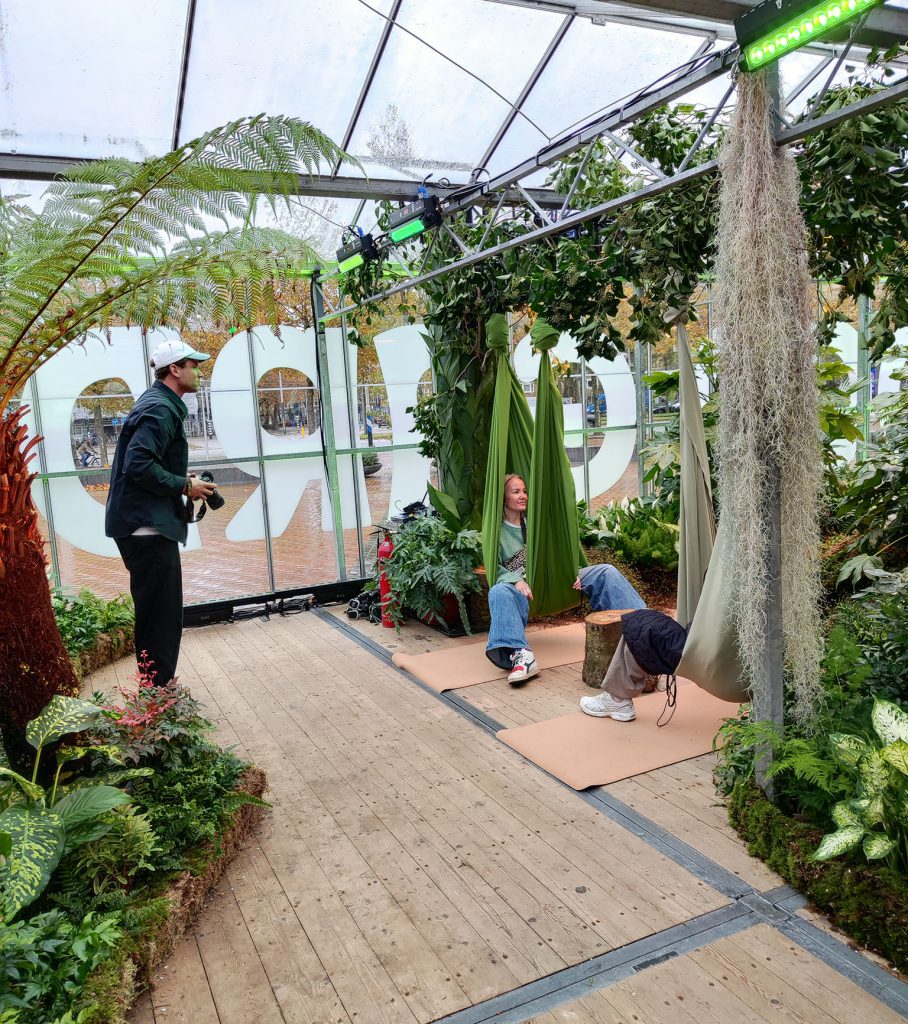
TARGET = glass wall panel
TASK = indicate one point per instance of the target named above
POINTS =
(91, 79)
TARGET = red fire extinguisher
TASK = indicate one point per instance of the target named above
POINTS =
(384, 584)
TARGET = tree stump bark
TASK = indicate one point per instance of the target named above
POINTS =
(603, 632)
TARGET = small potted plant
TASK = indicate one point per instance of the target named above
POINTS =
(371, 463)
(431, 571)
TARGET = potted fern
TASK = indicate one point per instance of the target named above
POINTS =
(431, 572)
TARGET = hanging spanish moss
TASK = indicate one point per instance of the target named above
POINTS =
(768, 421)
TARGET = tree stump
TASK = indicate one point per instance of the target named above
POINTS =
(603, 631)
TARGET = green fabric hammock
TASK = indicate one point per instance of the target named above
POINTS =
(553, 539)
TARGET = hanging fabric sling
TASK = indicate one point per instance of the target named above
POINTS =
(535, 452)
(510, 440)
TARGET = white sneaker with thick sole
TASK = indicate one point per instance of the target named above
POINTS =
(525, 667)
(607, 706)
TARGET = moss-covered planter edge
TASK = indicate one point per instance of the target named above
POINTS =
(115, 985)
(868, 901)
(107, 648)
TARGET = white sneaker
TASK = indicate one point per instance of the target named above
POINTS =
(525, 666)
(607, 706)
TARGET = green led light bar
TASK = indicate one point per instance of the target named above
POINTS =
(414, 219)
(408, 230)
(792, 31)
(351, 263)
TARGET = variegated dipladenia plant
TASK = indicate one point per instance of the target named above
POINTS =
(876, 816)
(42, 825)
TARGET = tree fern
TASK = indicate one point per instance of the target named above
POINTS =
(118, 242)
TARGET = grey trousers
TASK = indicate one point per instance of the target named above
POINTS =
(624, 678)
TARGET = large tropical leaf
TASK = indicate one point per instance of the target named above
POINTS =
(847, 749)
(846, 816)
(877, 845)
(897, 755)
(86, 804)
(37, 844)
(31, 790)
(874, 773)
(890, 722)
(836, 843)
(63, 715)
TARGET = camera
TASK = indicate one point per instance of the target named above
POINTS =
(214, 500)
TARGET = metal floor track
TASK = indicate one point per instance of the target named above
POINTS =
(747, 908)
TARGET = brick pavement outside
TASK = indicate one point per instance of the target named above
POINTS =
(303, 555)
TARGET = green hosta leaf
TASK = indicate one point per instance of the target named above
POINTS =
(874, 772)
(85, 804)
(62, 716)
(847, 749)
(37, 843)
(30, 789)
(897, 755)
(847, 817)
(836, 843)
(890, 722)
(877, 845)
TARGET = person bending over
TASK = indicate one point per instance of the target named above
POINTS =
(509, 598)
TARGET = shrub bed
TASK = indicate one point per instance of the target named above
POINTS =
(117, 817)
(868, 901)
(95, 632)
(162, 919)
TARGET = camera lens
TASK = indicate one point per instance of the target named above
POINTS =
(214, 500)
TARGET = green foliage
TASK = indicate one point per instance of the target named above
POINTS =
(121, 242)
(867, 900)
(46, 824)
(854, 177)
(641, 532)
(127, 847)
(155, 727)
(430, 561)
(80, 619)
(875, 500)
(189, 803)
(45, 961)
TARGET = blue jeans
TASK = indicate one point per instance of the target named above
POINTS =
(604, 585)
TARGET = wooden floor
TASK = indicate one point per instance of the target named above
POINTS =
(412, 866)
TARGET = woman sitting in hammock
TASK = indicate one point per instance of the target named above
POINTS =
(509, 599)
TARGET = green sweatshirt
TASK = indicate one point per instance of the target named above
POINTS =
(510, 543)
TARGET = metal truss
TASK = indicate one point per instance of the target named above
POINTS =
(553, 221)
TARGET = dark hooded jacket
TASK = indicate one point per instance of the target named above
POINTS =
(655, 640)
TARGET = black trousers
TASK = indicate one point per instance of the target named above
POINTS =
(156, 585)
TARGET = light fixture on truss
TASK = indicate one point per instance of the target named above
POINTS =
(776, 27)
(414, 218)
(359, 250)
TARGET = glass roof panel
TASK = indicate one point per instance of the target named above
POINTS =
(423, 114)
(88, 79)
(306, 59)
(579, 83)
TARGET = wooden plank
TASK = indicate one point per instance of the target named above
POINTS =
(180, 993)
(142, 1011)
(302, 987)
(238, 981)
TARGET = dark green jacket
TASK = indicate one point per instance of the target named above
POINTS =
(149, 468)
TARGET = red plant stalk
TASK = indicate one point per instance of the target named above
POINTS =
(34, 664)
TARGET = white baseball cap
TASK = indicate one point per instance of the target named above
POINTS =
(175, 352)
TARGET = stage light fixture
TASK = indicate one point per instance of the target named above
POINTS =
(414, 218)
(772, 29)
(355, 253)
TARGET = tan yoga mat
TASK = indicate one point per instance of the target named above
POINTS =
(584, 751)
(467, 664)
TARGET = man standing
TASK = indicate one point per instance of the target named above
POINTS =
(146, 507)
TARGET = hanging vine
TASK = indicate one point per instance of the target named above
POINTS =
(764, 298)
